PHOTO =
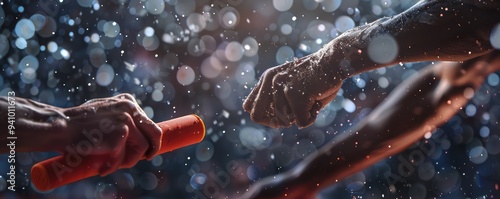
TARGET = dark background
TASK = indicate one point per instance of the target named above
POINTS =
(224, 58)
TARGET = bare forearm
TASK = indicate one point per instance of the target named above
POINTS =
(36, 126)
(429, 31)
(414, 108)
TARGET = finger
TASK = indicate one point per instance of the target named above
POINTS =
(248, 103)
(283, 117)
(325, 101)
(262, 110)
(301, 106)
(152, 133)
(115, 158)
(135, 148)
(149, 129)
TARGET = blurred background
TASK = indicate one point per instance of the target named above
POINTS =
(179, 57)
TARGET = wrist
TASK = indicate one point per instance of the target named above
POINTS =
(46, 129)
(335, 60)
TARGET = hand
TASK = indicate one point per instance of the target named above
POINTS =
(120, 132)
(293, 92)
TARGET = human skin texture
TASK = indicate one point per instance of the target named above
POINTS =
(429, 31)
(294, 92)
(417, 106)
(120, 132)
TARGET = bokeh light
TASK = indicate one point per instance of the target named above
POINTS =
(179, 57)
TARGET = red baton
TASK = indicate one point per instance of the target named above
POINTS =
(177, 133)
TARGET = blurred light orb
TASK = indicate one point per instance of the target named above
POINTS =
(157, 95)
(211, 67)
(105, 190)
(185, 7)
(157, 161)
(311, 4)
(377, 10)
(64, 53)
(234, 51)
(493, 144)
(155, 7)
(493, 79)
(245, 73)
(484, 132)
(478, 155)
(149, 31)
(97, 57)
(196, 22)
(204, 151)
(229, 17)
(49, 27)
(28, 62)
(111, 29)
(282, 5)
(286, 29)
(495, 37)
(196, 47)
(330, 5)
(95, 38)
(86, 3)
(349, 105)
(28, 75)
(25, 28)
(149, 111)
(426, 171)
(284, 54)
(383, 82)
(250, 46)
(355, 182)
(198, 180)
(344, 23)
(148, 181)
(38, 21)
(52, 47)
(105, 75)
(417, 191)
(173, 33)
(383, 49)
(185, 75)
(21, 43)
(150, 43)
(254, 138)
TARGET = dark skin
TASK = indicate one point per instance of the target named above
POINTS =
(293, 93)
(42, 128)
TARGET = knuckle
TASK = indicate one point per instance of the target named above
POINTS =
(125, 105)
(126, 96)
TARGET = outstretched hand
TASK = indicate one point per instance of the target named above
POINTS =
(293, 92)
(120, 132)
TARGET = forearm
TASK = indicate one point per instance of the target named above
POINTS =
(429, 31)
(414, 108)
(35, 126)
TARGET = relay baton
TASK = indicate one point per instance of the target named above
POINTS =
(177, 133)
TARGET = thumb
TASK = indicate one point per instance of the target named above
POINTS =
(301, 105)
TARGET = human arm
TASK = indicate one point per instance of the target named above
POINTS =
(431, 30)
(116, 128)
(416, 107)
